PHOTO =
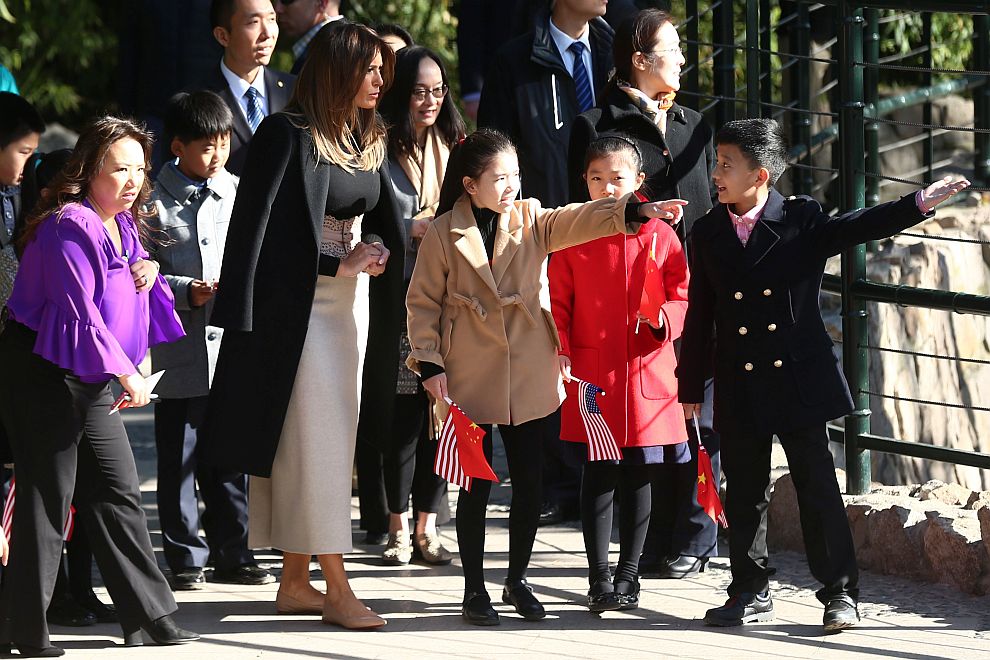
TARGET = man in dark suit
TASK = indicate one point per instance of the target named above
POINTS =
(247, 30)
(756, 271)
(301, 20)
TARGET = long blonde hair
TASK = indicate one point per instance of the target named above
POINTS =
(337, 60)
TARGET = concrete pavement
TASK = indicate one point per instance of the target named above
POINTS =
(901, 619)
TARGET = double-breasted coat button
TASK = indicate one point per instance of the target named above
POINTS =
(205, 241)
(743, 330)
(748, 366)
(767, 292)
(778, 363)
(211, 336)
(737, 295)
(772, 327)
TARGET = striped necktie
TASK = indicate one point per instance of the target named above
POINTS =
(254, 115)
(585, 97)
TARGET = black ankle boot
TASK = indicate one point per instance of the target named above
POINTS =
(39, 651)
(162, 631)
(627, 593)
(477, 609)
(520, 596)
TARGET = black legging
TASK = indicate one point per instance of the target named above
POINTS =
(599, 482)
(523, 452)
(408, 467)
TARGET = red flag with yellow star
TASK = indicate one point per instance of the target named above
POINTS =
(708, 489)
(470, 447)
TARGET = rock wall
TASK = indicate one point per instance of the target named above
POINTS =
(934, 532)
(948, 266)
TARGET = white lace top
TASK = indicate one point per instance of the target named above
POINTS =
(340, 236)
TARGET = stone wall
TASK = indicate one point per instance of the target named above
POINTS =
(948, 266)
(934, 532)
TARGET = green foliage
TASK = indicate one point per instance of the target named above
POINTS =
(62, 55)
(952, 38)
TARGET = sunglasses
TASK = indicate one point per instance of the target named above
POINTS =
(419, 93)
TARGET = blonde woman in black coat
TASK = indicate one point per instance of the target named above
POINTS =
(313, 219)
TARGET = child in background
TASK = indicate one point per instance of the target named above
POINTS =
(756, 270)
(20, 130)
(595, 292)
(193, 198)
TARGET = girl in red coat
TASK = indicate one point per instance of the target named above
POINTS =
(595, 291)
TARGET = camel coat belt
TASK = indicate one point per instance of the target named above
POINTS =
(488, 325)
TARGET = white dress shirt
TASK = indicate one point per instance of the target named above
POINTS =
(563, 43)
(239, 86)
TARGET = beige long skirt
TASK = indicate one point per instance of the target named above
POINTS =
(305, 507)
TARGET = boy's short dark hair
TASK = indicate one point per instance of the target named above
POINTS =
(17, 119)
(196, 116)
(222, 13)
(761, 140)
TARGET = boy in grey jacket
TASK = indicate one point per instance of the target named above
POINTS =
(193, 198)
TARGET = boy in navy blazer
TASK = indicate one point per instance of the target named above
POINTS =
(757, 261)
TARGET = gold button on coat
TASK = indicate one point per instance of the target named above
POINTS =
(743, 330)
(748, 366)
(737, 295)
(772, 327)
(767, 292)
(778, 363)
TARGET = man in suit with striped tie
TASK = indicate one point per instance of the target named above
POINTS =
(247, 30)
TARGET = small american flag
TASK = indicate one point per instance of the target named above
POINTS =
(8, 515)
(448, 463)
(601, 443)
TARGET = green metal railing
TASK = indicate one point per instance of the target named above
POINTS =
(850, 127)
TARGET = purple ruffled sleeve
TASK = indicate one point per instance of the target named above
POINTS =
(163, 322)
(71, 331)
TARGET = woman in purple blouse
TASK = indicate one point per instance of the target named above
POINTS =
(86, 305)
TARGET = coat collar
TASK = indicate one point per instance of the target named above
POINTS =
(765, 235)
(469, 243)
(181, 189)
(316, 183)
(600, 34)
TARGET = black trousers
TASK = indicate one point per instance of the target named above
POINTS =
(523, 453)
(372, 503)
(61, 435)
(408, 468)
(827, 539)
(561, 472)
(224, 495)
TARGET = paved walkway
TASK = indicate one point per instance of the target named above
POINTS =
(901, 619)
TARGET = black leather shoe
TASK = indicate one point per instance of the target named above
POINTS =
(602, 597)
(67, 612)
(477, 609)
(243, 574)
(375, 538)
(520, 596)
(189, 579)
(39, 651)
(162, 631)
(104, 613)
(551, 514)
(840, 612)
(627, 594)
(740, 609)
(684, 566)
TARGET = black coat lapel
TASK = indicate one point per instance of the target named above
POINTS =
(278, 91)
(765, 234)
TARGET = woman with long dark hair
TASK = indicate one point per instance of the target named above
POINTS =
(639, 102)
(423, 126)
(312, 219)
(75, 324)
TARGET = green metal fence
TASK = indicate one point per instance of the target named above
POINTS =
(777, 83)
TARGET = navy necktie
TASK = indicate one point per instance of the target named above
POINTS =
(254, 115)
(582, 84)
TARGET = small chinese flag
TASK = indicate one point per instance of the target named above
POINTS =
(708, 489)
(460, 452)
(653, 295)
